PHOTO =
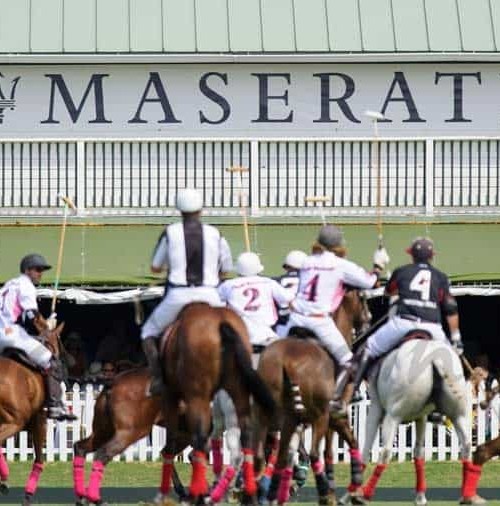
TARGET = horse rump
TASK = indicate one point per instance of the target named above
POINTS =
(253, 382)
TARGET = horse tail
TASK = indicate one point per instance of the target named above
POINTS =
(232, 340)
(293, 383)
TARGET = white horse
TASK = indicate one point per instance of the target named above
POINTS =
(412, 381)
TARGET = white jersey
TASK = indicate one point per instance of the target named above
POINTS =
(192, 260)
(16, 296)
(255, 297)
(321, 285)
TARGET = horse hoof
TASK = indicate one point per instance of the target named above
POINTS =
(327, 500)
(4, 488)
(345, 500)
(359, 500)
(476, 499)
(81, 501)
(420, 499)
(28, 500)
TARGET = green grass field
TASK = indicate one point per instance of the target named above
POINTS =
(146, 475)
(120, 254)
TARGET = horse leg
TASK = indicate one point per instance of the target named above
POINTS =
(301, 468)
(216, 438)
(198, 418)
(230, 421)
(344, 430)
(328, 458)
(120, 441)
(419, 462)
(282, 478)
(471, 472)
(319, 430)
(389, 426)
(38, 428)
(6, 431)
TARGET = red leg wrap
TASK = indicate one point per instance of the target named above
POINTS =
(371, 485)
(217, 456)
(271, 462)
(94, 488)
(317, 467)
(199, 485)
(34, 477)
(285, 483)
(166, 473)
(471, 477)
(248, 472)
(421, 485)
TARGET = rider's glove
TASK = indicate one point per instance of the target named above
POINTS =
(52, 321)
(381, 258)
(456, 341)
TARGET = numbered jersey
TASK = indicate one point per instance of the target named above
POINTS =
(255, 297)
(321, 283)
(16, 296)
(420, 289)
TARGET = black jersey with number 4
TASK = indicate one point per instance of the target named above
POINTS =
(420, 291)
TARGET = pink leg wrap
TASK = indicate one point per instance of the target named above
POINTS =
(166, 473)
(33, 478)
(199, 485)
(285, 483)
(222, 486)
(471, 476)
(420, 472)
(79, 476)
(317, 467)
(355, 454)
(248, 472)
(94, 489)
(4, 468)
(371, 485)
(217, 456)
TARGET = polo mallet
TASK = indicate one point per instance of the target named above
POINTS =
(242, 201)
(375, 116)
(319, 199)
(68, 204)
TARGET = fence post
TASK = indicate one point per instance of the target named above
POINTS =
(429, 177)
(254, 178)
(80, 177)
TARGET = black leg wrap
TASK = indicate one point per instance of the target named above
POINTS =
(356, 472)
(330, 476)
(273, 489)
(322, 484)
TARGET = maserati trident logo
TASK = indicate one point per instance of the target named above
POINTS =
(7, 101)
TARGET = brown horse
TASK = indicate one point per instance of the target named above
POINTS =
(207, 349)
(123, 414)
(300, 375)
(22, 398)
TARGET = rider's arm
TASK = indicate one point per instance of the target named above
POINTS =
(356, 276)
(159, 261)
(225, 259)
(450, 309)
(281, 296)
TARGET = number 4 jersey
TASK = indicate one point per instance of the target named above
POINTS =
(321, 285)
(255, 297)
(420, 290)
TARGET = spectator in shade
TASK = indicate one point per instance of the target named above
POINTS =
(75, 358)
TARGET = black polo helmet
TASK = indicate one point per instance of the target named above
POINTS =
(421, 249)
(34, 261)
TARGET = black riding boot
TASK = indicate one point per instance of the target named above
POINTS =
(151, 351)
(53, 393)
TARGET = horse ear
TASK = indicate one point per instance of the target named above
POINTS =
(60, 327)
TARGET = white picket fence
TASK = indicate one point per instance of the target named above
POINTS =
(441, 442)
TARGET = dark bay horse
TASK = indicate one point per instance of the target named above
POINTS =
(300, 375)
(22, 399)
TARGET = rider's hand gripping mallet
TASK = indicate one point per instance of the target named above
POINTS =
(319, 199)
(68, 204)
(242, 201)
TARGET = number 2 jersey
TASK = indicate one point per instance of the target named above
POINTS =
(255, 297)
(321, 283)
(420, 290)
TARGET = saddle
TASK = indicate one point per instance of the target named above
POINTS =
(21, 358)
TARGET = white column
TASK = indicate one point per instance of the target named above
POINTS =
(254, 178)
(429, 177)
(80, 177)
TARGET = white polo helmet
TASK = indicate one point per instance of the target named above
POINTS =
(189, 200)
(294, 259)
(249, 264)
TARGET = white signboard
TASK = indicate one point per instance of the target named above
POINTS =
(240, 100)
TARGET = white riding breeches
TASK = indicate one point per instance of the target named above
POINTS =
(259, 333)
(176, 299)
(326, 331)
(392, 332)
(14, 336)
